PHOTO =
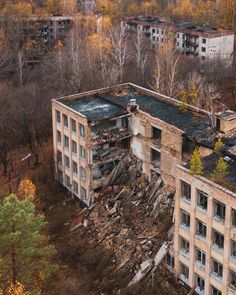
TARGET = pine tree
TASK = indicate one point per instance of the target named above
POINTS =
(219, 145)
(220, 172)
(196, 163)
(24, 251)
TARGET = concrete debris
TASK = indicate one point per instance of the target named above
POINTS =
(132, 216)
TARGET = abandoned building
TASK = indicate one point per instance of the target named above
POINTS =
(93, 131)
(204, 42)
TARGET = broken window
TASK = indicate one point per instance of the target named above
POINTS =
(218, 240)
(59, 157)
(201, 229)
(185, 190)
(60, 176)
(75, 187)
(185, 219)
(75, 168)
(234, 217)
(73, 125)
(66, 141)
(125, 122)
(67, 181)
(67, 162)
(184, 272)
(232, 279)
(184, 246)
(65, 121)
(82, 173)
(200, 284)
(156, 133)
(82, 152)
(202, 199)
(217, 268)
(219, 211)
(170, 261)
(200, 257)
(59, 137)
(83, 194)
(58, 116)
(155, 157)
(74, 147)
(81, 130)
(233, 249)
(215, 291)
(203, 49)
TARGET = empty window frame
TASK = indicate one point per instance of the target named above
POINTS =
(73, 125)
(200, 284)
(184, 271)
(217, 268)
(215, 291)
(65, 121)
(232, 279)
(82, 173)
(170, 260)
(185, 219)
(185, 190)
(202, 199)
(67, 181)
(233, 249)
(67, 162)
(66, 141)
(82, 152)
(184, 246)
(201, 228)
(58, 116)
(74, 147)
(81, 131)
(59, 157)
(234, 218)
(75, 187)
(75, 167)
(219, 210)
(156, 133)
(58, 137)
(200, 257)
(218, 240)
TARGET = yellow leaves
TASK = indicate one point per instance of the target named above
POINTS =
(149, 7)
(20, 9)
(99, 43)
(26, 189)
(17, 289)
(106, 22)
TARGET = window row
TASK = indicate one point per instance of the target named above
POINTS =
(73, 145)
(219, 209)
(73, 123)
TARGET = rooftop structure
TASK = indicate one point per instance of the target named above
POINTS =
(205, 42)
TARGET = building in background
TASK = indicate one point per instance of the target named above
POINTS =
(205, 42)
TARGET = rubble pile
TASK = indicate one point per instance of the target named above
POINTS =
(133, 218)
(112, 135)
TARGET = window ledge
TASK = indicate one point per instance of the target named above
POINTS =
(200, 266)
(184, 227)
(184, 253)
(202, 210)
(217, 278)
(201, 238)
(217, 249)
(222, 221)
(186, 200)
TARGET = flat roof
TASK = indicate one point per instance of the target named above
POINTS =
(112, 102)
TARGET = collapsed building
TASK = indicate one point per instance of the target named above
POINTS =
(93, 132)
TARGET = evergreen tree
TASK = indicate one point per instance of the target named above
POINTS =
(219, 145)
(221, 171)
(196, 163)
(24, 251)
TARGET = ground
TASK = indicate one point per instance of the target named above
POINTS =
(84, 268)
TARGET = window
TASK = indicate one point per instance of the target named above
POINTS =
(184, 272)
(204, 40)
(67, 162)
(75, 167)
(200, 257)
(58, 116)
(83, 194)
(155, 157)
(67, 181)
(177, 35)
(219, 210)
(184, 246)
(74, 147)
(185, 190)
(82, 173)
(215, 291)
(156, 133)
(232, 279)
(153, 31)
(75, 187)
(200, 285)
(203, 58)
(81, 130)
(185, 219)
(217, 268)
(60, 176)
(201, 229)
(234, 218)
(58, 137)
(82, 152)
(65, 120)
(66, 141)
(202, 200)
(203, 49)
(218, 240)
(170, 261)
(59, 157)
(233, 249)
(73, 125)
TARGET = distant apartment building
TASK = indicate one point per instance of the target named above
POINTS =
(92, 131)
(204, 42)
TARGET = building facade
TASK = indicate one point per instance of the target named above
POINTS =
(204, 42)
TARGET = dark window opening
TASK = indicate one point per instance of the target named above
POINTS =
(155, 157)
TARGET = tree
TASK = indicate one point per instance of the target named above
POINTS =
(26, 188)
(196, 166)
(219, 145)
(24, 251)
(220, 171)
(54, 6)
(17, 289)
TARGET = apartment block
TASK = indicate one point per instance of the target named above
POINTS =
(204, 42)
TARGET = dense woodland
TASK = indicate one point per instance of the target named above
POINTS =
(91, 57)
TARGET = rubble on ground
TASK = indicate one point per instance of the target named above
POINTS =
(132, 217)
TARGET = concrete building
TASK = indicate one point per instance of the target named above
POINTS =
(204, 42)
(92, 131)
